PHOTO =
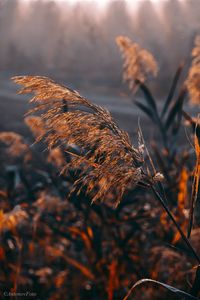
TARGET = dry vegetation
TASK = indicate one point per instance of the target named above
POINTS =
(193, 81)
(84, 213)
(138, 63)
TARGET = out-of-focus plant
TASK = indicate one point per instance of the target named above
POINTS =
(108, 161)
(171, 161)
(81, 251)
(138, 63)
(193, 80)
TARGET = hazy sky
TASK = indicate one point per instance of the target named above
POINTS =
(79, 40)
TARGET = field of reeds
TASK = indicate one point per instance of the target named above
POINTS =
(88, 214)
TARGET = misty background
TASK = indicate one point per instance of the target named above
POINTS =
(75, 44)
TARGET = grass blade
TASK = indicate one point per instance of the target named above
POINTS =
(153, 108)
(196, 286)
(195, 185)
(146, 110)
(148, 96)
(170, 288)
(171, 216)
(176, 108)
(172, 89)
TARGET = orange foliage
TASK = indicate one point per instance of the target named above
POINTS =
(113, 280)
(183, 190)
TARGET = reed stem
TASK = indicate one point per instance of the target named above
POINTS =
(185, 239)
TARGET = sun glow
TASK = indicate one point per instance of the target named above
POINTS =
(104, 3)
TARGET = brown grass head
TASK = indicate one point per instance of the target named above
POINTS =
(15, 143)
(139, 63)
(49, 203)
(36, 125)
(193, 80)
(107, 160)
(10, 220)
(56, 157)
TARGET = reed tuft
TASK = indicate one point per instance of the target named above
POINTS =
(15, 143)
(10, 220)
(107, 160)
(193, 80)
(139, 63)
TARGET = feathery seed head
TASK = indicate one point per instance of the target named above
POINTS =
(36, 125)
(16, 145)
(13, 218)
(107, 160)
(139, 63)
(193, 80)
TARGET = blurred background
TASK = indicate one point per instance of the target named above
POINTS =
(74, 42)
(70, 249)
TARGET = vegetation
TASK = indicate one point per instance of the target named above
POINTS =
(87, 215)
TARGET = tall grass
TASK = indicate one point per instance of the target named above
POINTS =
(59, 246)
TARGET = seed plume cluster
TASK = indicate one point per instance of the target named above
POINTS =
(36, 125)
(107, 161)
(15, 143)
(139, 63)
(193, 80)
(55, 243)
(12, 218)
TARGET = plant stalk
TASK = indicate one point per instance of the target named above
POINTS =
(185, 239)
